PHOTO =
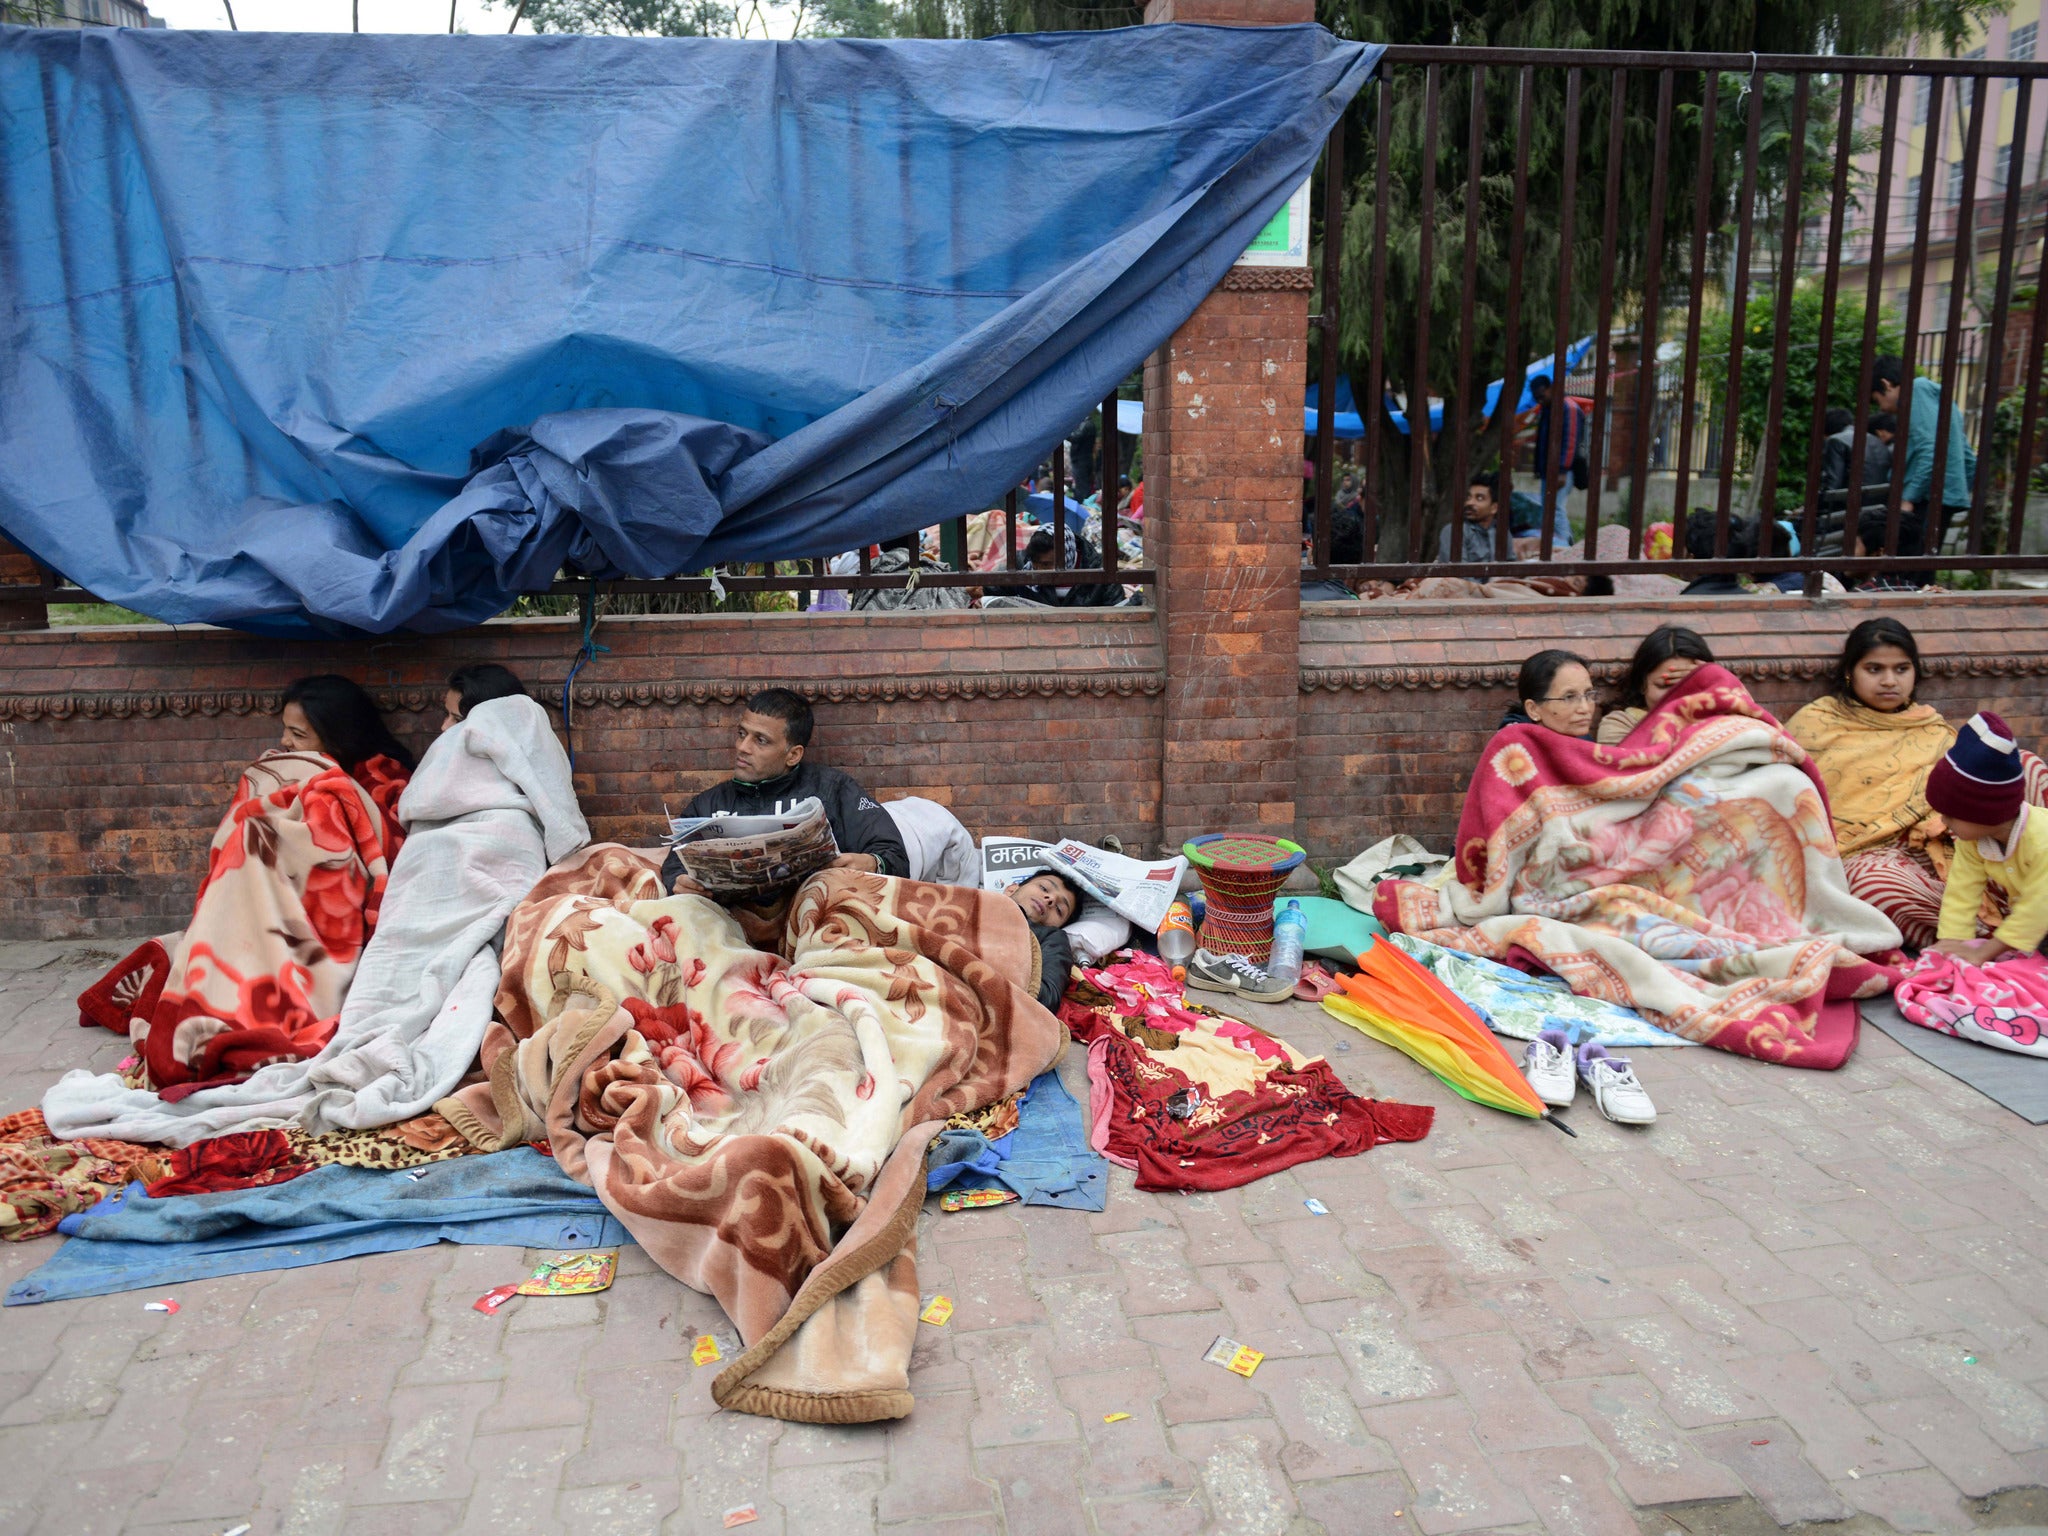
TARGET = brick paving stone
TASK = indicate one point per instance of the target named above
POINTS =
(1509, 1411)
(1038, 1487)
(1953, 1441)
(1558, 1343)
(1164, 1514)
(1568, 1488)
(1692, 1388)
(1091, 1325)
(1837, 1437)
(1158, 1271)
(1766, 1455)
(423, 1455)
(1013, 1383)
(1195, 1389)
(1435, 1295)
(2013, 1414)
(1326, 1437)
(1262, 1312)
(931, 1469)
(1654, 1462)
(1375, 1502)
(1911, 1501)
(1456, 1488)
(617, 1509)
(1131, 1456)
(1241, 1479)
(517, 1477)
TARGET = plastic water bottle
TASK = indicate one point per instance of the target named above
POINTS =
(1290, 928)
(1177, 935)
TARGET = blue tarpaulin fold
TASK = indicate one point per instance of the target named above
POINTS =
(308, 333)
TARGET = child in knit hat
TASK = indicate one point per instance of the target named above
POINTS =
(1976, 788)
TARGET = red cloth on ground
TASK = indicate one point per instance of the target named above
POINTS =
(238, 1160)
(1261, 1107)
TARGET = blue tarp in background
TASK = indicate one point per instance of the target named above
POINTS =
(325, 333)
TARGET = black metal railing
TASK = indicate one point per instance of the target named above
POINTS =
(1676, 199)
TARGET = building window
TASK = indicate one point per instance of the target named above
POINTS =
(1912, 197)
(1922, 93)
(1955, 184)
(2020, 46)
(2003, 171)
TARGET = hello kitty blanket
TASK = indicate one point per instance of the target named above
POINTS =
(1688, 872)
(2003, 1004)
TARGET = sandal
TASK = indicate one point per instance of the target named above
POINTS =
(1315, 983)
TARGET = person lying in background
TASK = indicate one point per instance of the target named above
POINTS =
(474, 684)
(294, 880)
(1050, 901)
(1666, 658)
(771, 773)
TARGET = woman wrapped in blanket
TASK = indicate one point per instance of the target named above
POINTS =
(1875, 746)
(1666, 658)
(1050, 902)
(1555, 690)
(293, 880)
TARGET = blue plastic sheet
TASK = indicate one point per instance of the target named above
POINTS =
(130, 1242)
(314, 333)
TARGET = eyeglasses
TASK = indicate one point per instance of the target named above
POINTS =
(1588, 697)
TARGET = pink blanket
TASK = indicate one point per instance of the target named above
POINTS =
(2004, 1004)
(1688, 872)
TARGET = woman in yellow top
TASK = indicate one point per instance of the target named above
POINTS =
(1874, 747)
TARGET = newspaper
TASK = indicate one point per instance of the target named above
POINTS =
(753, 858)
(1133, 888)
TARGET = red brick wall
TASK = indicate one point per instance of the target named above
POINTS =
(119, 747)
(1398, 698)
(1225, 492)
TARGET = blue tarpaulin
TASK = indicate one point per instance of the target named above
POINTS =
(333, 333)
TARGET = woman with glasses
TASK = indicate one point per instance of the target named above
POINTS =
(1555, 691)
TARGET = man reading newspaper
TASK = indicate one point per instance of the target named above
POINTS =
(771, 774)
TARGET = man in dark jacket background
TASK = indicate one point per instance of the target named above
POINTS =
(771, 773)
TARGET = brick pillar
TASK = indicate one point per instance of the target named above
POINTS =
(1223, 486)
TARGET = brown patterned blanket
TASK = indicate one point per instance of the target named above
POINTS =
(758, 1117)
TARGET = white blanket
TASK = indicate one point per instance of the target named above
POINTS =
(489, 809)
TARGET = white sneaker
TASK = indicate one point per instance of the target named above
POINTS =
(1233, 973)
(1612, 1082)
(1548, 1066)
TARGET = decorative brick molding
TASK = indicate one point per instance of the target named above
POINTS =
(152, 706)
(1268, 280)
(1789, 669)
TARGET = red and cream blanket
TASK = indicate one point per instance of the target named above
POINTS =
(1688, 872)
(756, 1110)
(294, 878)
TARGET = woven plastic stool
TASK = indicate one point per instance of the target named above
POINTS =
(1241, 872)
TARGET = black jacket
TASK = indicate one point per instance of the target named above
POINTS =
(859, 825)
(1055, 965)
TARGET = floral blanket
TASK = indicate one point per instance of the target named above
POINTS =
(2003, 1004)
(294, 878)
(1688, 872)
(758, 1118)
(1192, 1099)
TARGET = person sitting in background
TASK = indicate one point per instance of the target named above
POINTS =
(1841, 442)
(1959, 471)
(1042, 554)
(1666, 658)
(1482, 507)
(1699, 545)
(771, 773)
(899, 557)
(1050, 901)
(294, 880)
(472, 685)
(1555, 691)
(1347, 547)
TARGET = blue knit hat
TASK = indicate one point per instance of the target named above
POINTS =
(1978, 779)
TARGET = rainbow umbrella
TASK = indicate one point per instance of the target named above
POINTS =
(1399, 1003)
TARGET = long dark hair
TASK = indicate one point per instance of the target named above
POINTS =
(1540, 671)
(1658, 647)
(346, 721)
(1867, 637)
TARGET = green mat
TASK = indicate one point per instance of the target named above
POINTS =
(1335, 931)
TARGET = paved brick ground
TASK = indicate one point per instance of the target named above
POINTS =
(1825, 1292)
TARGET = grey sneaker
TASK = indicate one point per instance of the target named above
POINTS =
(1547, 1064)
(1612, 1080)
(1234, 973)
